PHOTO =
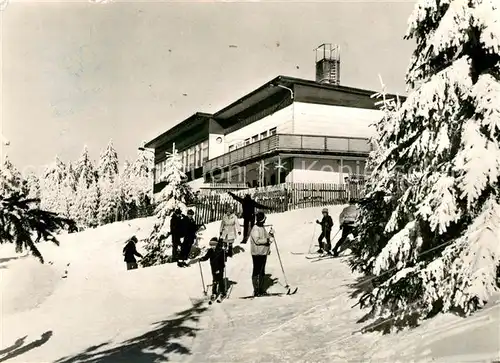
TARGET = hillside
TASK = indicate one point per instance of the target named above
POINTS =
(85, 307)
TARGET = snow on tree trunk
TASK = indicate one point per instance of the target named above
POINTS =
(176, 194)
(430, 224)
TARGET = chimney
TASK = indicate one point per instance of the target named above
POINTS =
(328, 64)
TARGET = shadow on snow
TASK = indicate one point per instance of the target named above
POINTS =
(18, 348)
(154, 345)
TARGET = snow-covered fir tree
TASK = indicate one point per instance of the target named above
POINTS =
(11, 180)
(436, 245)
(85, 167)
(51, 187)
(176, 194)
(108, 185)
(68, 192)
(108, 202)
(128, 207)
(86, 203)
(31, 187)
(108, 163)
(142, 181)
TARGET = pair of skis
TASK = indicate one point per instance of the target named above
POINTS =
(289, 292)
(316, 256)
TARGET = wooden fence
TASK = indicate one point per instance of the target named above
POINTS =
(211, 205)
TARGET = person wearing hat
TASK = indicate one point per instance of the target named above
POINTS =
(326, 230)
(190, 228)
(176, 232)
(347, 221)
(130, 251)
(260, 242)
(229, 228)
(217, 256)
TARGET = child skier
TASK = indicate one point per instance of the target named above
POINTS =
(326, 229)
(217, 256)
(229, 228)
(129, 252)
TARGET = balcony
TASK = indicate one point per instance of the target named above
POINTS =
(289, 143)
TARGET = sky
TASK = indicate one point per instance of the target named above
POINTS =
(79, 73)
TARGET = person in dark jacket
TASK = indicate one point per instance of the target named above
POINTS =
(218, 258)
(326, 230)
(130, 251)
(176, 231)
(248, 205)
(190, 228)
(347, 220)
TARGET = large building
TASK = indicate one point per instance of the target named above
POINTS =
(287, 130)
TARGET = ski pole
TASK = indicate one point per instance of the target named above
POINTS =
(281, 263)
(312, 239)
(202, 279)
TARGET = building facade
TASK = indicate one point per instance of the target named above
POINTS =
(288, 130)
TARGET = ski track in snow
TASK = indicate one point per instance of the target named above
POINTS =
(101, 312)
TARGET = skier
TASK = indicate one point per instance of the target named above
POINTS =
(130, 251)
(326, 229)
(347, 221)
(249, 206)
(229, 227)
(260, 241)
(217, 256)
(190, 228)
(176, 231)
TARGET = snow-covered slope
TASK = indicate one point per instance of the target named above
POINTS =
(99, 312)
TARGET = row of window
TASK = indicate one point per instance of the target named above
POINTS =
(253, 139)
(192, 158)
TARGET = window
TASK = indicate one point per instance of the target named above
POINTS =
(247, 141)
(184, 161)
(272, 131)
(157, 172)
(263, 135)
(255, 138)
(204, 151)
(198, 156)
(231, 148)
(191, 159)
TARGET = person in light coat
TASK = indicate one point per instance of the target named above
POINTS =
(229, 229)
(348, 222)
(260, 242)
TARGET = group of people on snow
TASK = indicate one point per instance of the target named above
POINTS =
(183, 230)
(347, 223)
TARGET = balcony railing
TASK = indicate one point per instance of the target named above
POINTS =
(291, 143)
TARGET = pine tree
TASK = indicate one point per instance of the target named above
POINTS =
(51, 187)
(108, 163)
(21, 221)
(86, 203)
(437, 183)
(85, 167)
(32, 186)
(11, 180)
(127, 192)
(108, 202)
(176, 194)
(142, 181)
(108, 185)
(68, 192)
